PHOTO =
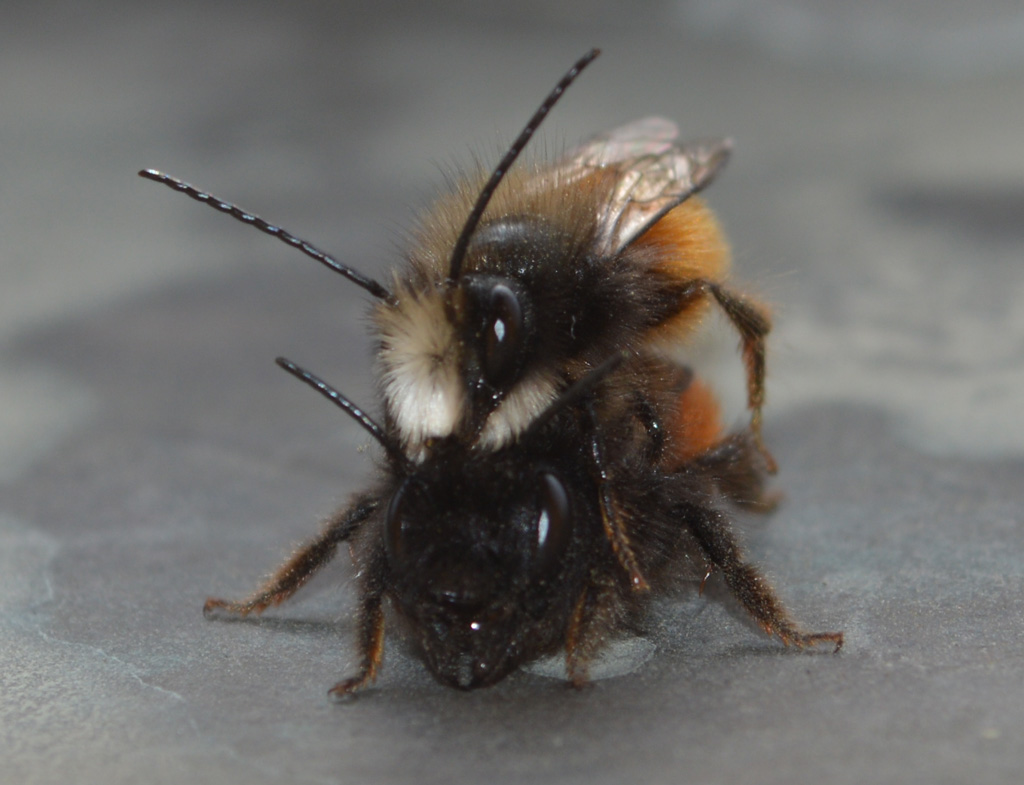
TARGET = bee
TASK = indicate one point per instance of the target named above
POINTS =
(543, 467)
(520, 281)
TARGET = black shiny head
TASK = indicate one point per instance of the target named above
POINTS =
(482, 564)
(514, 307)
(488, 551)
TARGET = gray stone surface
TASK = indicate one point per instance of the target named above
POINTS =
(151, 454)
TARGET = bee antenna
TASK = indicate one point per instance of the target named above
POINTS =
(328, 261)
(353, 411)
(574, 393)
(459, 251)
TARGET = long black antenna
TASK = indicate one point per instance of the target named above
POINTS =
(284, 236)
(353, 411)
(459, 251)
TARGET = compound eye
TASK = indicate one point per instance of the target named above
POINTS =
(400, 516)
(554, 523)
(504, 337)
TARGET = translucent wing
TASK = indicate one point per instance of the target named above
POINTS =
(653, 173)
(649, 136)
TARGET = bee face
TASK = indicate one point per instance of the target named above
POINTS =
(499, 325)
(481, 562)
(479, 357)
(512, 317)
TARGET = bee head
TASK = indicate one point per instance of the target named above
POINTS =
(477, 561)
(497, 307)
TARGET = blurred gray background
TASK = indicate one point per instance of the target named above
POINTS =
(151, 454)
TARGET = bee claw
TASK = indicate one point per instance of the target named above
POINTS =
(345, 690)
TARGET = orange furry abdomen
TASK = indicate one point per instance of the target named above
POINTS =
(689, 245)
(696, 425)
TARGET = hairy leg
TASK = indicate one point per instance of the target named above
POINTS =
(598, 611)
(753, 325)
(300, 567)
(371, 628)
(738, 468)
(611, 514)
(713, 532)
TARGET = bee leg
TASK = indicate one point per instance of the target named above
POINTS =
(753, 324)
(300, 567)
(739, 471)
(596, 612)
(647, 412)
(371, 629)
(712, 531)
(611, 516)
(648, 417)
(575, 662)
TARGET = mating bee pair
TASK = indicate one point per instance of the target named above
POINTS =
(545, 471)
